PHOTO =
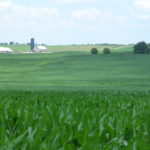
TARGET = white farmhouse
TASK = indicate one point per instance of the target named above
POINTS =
(40, 49)
(5, 50)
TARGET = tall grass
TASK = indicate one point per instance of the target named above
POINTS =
(74, 120)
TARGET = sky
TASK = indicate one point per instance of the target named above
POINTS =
(61, 22)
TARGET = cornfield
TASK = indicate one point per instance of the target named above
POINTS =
(74, 120)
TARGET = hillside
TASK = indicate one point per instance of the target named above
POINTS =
(75, 70)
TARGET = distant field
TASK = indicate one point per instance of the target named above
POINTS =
(75, 70)
(114, 48)
(17, 48)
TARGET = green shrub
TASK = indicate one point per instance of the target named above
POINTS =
(106, 51)
(140, 48)
(94, 51)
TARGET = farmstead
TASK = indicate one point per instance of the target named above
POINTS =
(40, 49)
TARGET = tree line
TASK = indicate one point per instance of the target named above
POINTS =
(139, 48)
(17, 43)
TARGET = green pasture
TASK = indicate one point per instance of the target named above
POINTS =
(82, 48)
(75, 70)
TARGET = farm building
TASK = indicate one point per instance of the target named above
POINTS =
(40, 49)
(5, 50)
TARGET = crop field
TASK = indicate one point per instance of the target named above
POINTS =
(75, 70)
(72, 100)
(74, 120)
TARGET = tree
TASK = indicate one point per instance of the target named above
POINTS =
(94, 51)
(140, 48)
(106, 51)
(148, 49)
(11, 43)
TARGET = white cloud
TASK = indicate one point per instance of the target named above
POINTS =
(89, 14)
(11, 12)
(72, 1)
(121, 18)
(77, 17)
(68, 23)
(144, 4)
(144, 17)
(5, 5)
(141, 10)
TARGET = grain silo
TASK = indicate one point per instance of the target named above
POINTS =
(32, 44)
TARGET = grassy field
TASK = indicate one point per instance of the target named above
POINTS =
(75, 101)
(75, 70)
(114, 48)
(68, 48)
(17, 48)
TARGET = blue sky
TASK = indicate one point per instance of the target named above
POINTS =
(75, 21)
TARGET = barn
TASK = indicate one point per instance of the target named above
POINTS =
(40, 49)
(5, 50)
